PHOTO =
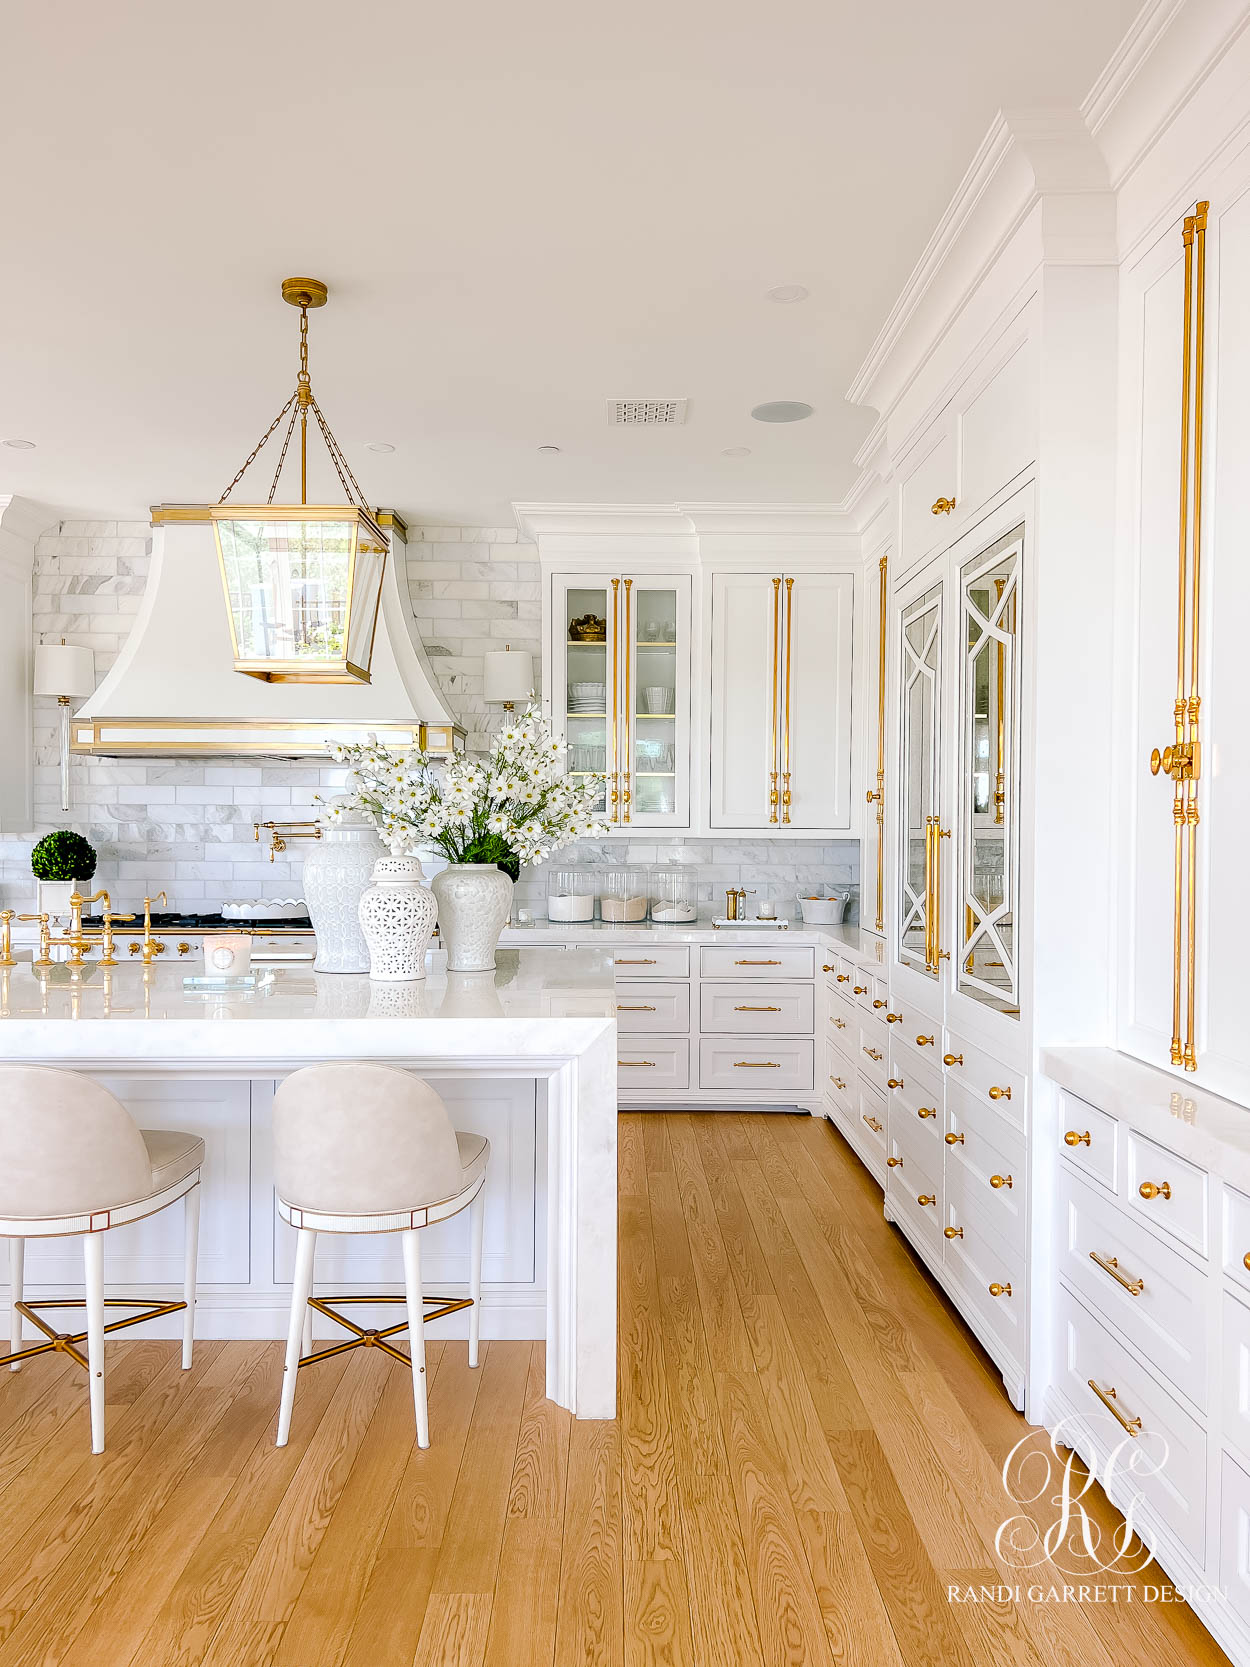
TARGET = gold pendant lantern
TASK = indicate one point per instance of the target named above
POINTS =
(303, 582)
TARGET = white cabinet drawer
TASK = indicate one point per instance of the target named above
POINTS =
(762, 1068)
(843, 1034)
(1234, 1574)
(990, 1274)
(767, 961)
(873, 1123)
(1235, 1373)
(839, 1076)
(651, 961)
(1166, 1191)
(1090, 1140)
(1235, 1236)
(644, 1006)
(1147, 1289)
(652, 1064)
(912, 1038)
(915, 1189)
(871, 1056)
(985, 1165)
(984, 1078)
(757, 1009)
(871, 990)
(914, 1104)
(1171, 1476)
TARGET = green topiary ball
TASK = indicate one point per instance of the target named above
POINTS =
(64, 855)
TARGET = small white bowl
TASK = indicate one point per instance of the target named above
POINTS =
(822, 911)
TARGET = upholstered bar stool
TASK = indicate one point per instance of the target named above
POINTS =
(73, 1162)
(371, 1149)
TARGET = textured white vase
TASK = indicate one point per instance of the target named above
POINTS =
(397, 915)
(337, 871)
(474, 900)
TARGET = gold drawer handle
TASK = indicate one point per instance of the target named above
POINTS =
(757, 963)
(1110, 1400)
(841, 1023)
(635, 1007)
(634, 1064)
(1074, 1139)
(954, 1139)
(859, 989)
(924, 1041)
(838, 1083)
(926, 1111)
(873, 1053)
(872, 1122)
(1108, 1264)
(953, 1232)
(894, 1082)
(1148, 1189)
(942, 506)
(926, 1198)
(1000, 1093)
(997, 1290)
(997, 1181)
(952, 1059)
(646, 961)
(894, 1018)
(745, 1009)
(877, 1003)
(757, 1065)
(894, 1163)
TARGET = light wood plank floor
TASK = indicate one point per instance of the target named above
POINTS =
(807, 1454)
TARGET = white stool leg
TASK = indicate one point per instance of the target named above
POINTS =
(17, 1263)
(93, 1267)
(416, 1332)
(300, 1289)
(477, 1221)
(191, 1251)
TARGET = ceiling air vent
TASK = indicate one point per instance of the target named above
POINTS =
(647, 413)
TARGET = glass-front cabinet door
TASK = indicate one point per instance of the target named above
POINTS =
(986, 962)
(920, 711)
(621, 648)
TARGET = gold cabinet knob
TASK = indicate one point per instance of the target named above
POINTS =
(135, 948)
(894, 1018)
(183, 948)
(942, 506)
(894, 1163)
(1148, 1189)
(952, 1059)
(1245, 1261)
(926, 1111)
(997, 1290)
(954, 1139)
(953, 1232)
(894, 1082)
(878, 1003)
(844, 978)
(997, 1181)
(860, 989)
(926, 1198)
(826, 969)
(1072, 1138)
(924, 1042)
(1000, 1093)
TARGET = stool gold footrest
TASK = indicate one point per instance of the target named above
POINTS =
(375, 1338)
(66, 1342)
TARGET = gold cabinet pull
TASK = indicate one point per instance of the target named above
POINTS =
(894, 1082)
(1072, 1138)
(953, 1232)
(924, 1041)
(743, 1008)
(840, 1023)
(997, 1181)
(894, 1018)
(626, 709)
(953, 1139)
(926, 1198)
(838, 1083)
(926, 1111)
(1110, 1265)
(843, 977)
(942, 506)
(1149, 1189)
(634, 1064)
(997, 1290)
(1000, 1093)
(774, 791)
(894, 1163)
(757, 1065)
(757, 963)
(645, 961)
(614, 771)
(634, 1007)
(1110, 1400)
(879, 795)
(1245, 1261)
(872, 1123)
(873, 1053)
(860, 989)
(785, 723)
(878, 1003)
(952, 1059)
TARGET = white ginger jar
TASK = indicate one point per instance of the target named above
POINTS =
(474, 901)
(397, 915)
(337, 869)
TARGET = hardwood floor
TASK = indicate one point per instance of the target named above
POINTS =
(807, 1455)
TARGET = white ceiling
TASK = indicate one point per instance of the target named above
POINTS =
(521, 211)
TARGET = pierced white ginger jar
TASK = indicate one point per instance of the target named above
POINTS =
(397, 915)
(474, 901)
(337, 869)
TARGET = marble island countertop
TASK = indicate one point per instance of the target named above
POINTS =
(850, 940)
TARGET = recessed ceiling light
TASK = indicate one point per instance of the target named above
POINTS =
(379, 445)
(782, 411)
(787, 292)
(549, 451)
(736, 451)
(19, 445)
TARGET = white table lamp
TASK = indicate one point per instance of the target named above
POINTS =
(508, 677)
(69, 674)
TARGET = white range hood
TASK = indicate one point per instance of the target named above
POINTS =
(173, 689)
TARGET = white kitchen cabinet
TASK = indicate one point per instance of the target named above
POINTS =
(780, 720)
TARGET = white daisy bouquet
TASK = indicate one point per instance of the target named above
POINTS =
(515, 805)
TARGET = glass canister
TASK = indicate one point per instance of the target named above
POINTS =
(570, 895)
(623, 896)
(674, 895)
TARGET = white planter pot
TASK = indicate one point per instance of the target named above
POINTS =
(474, 900)
(397, 915)
(52, 896)
(337, 872)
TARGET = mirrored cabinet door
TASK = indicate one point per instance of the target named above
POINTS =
(986, 963)
(920, 668)
(655, 702)
(584, 699)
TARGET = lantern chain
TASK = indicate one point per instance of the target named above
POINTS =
(286, 441)
(255, 451)
(337, 458)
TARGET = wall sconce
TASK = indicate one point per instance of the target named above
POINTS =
(69, 674)
(508, 678)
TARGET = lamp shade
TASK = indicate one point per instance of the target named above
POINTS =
(508, 676)
(61, 669)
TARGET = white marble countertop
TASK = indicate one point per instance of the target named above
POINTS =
(1191, 1121)
(850, 940)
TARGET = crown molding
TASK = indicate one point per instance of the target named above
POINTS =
(26, 519)
(685, 521)
(1125, 63)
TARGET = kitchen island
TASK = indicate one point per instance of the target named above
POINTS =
(525, 1056)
